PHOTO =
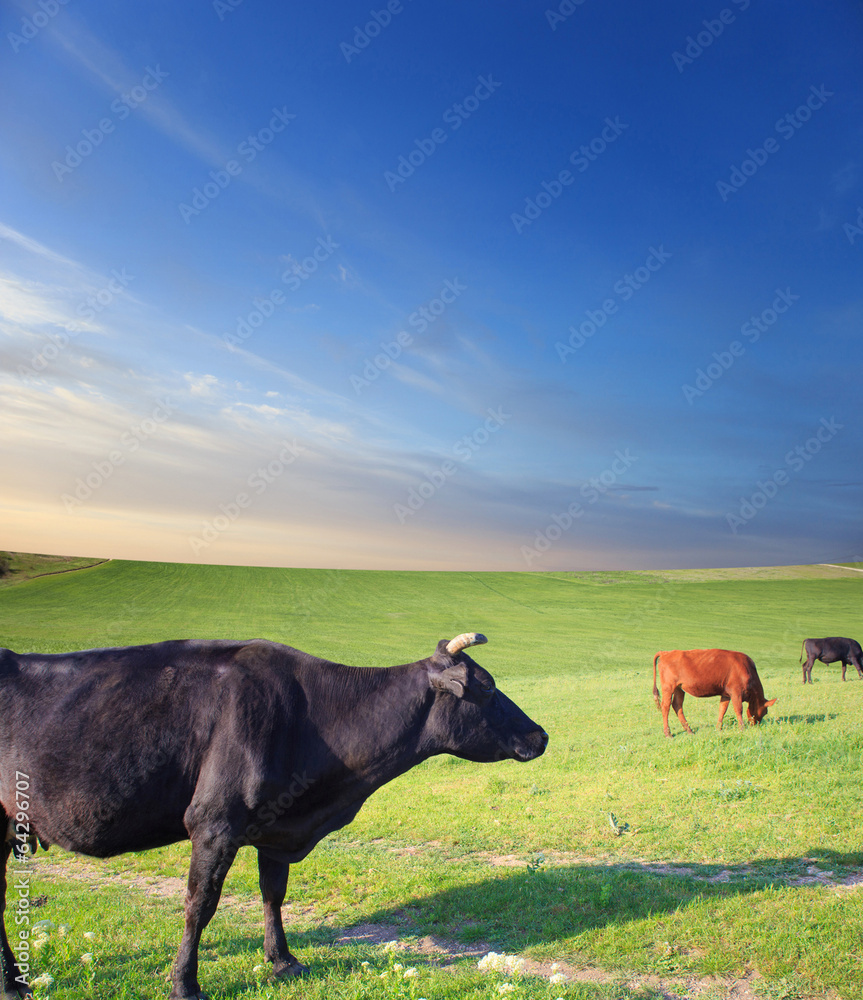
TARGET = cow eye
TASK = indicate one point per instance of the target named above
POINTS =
(487, 688)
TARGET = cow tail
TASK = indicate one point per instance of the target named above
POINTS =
(655, 688)
(802, 651)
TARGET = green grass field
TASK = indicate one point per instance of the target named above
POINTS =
(718, 865)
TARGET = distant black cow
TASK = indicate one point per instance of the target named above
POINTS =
(227, 744)
(829, 651)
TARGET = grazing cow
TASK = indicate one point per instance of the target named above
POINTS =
(829, 651)
(227, 744)
(705, 673)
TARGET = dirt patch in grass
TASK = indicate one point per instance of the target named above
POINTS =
(559, 859)
(159, 886)
(445, 954)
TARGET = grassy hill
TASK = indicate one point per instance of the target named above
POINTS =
(729, 848)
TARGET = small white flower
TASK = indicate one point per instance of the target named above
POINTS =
(505, 988)
(44, 925)
(555, 966)
(365, 965)
(44, 980)
(558, 977)
(64, 929)
(259, 968)
(39, 941)
(411, 973)
(391, 946)
(87, 957)
(384, 974)
(90, 935)
(398, 967)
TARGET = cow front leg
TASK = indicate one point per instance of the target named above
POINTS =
(212, 856)
(14, 982)
(273, 880)
(723, 708)
(737, 702)
(844, 667)
(677, 703)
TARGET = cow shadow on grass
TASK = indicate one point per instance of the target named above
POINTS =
(517, 908)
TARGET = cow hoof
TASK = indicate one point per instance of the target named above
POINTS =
(289, 970)
(17, 993)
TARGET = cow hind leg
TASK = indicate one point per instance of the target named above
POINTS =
(14, 982)
(212, 856)
(677, 704)
(666, 705)
(273, 880)
(807, 669)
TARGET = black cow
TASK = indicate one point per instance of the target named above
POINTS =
(227, 744)
(829, 651)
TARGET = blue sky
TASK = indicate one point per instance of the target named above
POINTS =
(432, 286)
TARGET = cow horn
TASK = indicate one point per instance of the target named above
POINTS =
(463, 641)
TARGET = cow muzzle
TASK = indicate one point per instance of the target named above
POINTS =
(525, 748)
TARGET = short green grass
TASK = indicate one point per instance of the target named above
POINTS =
(721, 854)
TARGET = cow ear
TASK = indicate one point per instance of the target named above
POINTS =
(452, 679)
(771, 702)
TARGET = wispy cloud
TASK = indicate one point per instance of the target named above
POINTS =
(106, 65)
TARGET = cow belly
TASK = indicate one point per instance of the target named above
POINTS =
(702, 689)
(108, 842)
(108, 821)
(104, 836)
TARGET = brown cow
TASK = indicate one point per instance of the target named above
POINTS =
(704, 673)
